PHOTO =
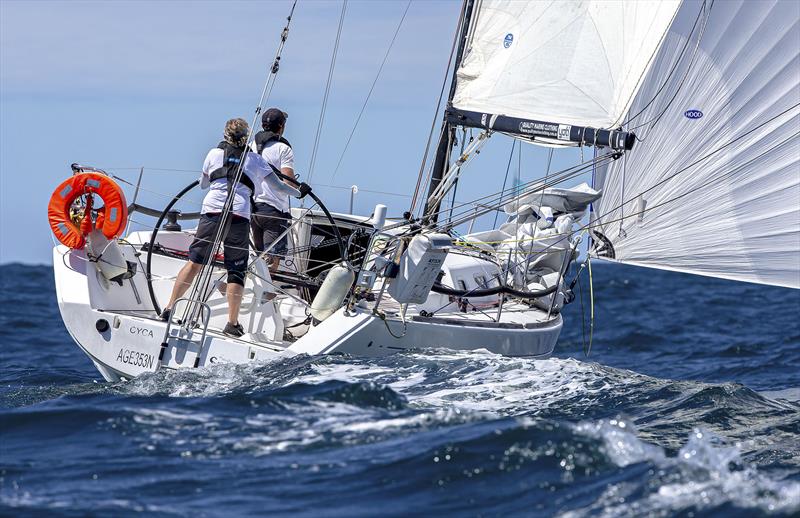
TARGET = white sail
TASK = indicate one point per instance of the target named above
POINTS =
(713, 188)
(573, 62)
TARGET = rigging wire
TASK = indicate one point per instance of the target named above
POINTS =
(276, 62)
(421, 174)
(583, 313)
(326, 95)
(371, 88)
(455, 184)
(597, 223)
(589, 226)
(495, 200)
(193, 309)
(767, 152)
(674, 66)
(505, 179)
(622, 190)
(453, 171)
(386, 193)
(701, 159)
(697, 188)
(694, 164)
(618, 121)
(591, 305)
(652, 122)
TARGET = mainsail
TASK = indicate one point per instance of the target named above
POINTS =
(568, 63)
(552, 72)
(713, 187)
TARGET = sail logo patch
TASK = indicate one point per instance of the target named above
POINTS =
(508, 40)
(563, 131)
(693, 114)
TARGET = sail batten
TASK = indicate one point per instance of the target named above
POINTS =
(734, 116)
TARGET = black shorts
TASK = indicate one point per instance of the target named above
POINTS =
(235, 241)
(268, 223)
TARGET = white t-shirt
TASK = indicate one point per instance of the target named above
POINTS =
(214, 201)
(279, 155)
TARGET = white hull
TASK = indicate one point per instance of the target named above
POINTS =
(132, 343)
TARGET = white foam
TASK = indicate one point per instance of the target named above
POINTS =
(482, 382)
(706, 473)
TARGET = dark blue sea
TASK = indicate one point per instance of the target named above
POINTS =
(688, 405)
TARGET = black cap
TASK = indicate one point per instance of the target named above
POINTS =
(273, 119)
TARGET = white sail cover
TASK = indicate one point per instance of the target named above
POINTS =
(572, 62)
(713, 188)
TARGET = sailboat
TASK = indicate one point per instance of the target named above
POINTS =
(690, 111)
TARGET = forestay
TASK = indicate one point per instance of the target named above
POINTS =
(575, 62)
(713, 188)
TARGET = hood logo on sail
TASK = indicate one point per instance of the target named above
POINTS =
(693, 114)
(508, 40)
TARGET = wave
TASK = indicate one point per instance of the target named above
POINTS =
(434, 460)
(437, 430)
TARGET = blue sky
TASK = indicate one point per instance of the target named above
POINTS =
(121, 85)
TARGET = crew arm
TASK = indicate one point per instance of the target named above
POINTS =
(287, 164)
(279, 186)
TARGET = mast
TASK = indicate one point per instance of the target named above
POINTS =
(447, 134)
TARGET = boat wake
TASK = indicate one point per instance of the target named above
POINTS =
(511, 435)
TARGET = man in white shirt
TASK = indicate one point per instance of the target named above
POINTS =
(271, 215)
(219, 172)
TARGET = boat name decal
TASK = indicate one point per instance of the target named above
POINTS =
(141, 331)
(693, 114)
(135, 358)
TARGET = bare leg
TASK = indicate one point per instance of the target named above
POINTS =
(183, 281)
(234, 294)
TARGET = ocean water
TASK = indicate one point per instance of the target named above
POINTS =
(688, 405)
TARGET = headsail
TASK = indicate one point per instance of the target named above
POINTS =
(568, 63)
(714, 186)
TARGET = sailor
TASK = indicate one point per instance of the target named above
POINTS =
(219, 172)
(271, 215)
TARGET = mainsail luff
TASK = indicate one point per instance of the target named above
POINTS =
(736, 101)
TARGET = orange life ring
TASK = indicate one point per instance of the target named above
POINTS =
(111, 219)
